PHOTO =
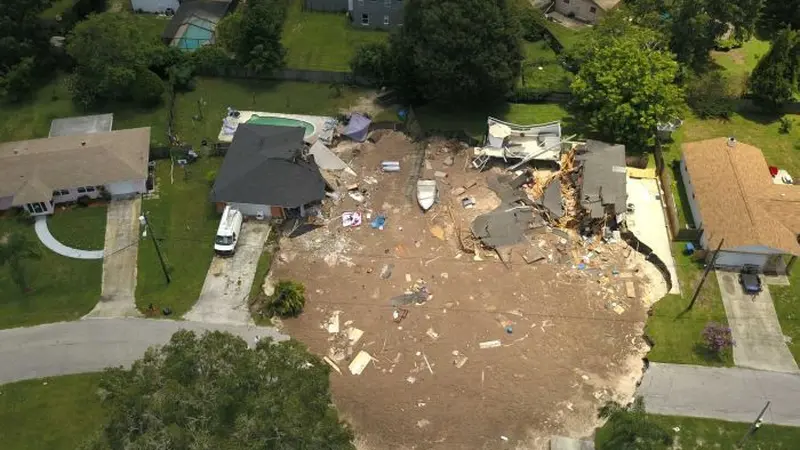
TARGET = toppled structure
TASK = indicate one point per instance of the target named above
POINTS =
(602, 179)
(507, 224)
(540, 142)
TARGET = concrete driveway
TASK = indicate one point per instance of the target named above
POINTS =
(649, 223)
(90, 345)
(223, 298)
(119, 263)
(754, 324)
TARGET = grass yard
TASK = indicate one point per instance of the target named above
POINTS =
(696, 433)
(56, 416)
(213, 95)
(184, 221)
(787, 305)
(678, 338)
(738, 63)
(60, 288)
(568, 37)
(57, 8)
(79, 227)
(541, 69)
(322, 41)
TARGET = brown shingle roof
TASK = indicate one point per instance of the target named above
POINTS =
(31, 170)
(607, 5)
(738, 201)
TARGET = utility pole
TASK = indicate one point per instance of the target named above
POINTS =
(756, 425)
(705, 274)
(143, 219)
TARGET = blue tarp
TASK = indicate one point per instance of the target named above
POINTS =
(358, 127)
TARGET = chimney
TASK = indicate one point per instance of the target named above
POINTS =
(731, 142)
(83, 143)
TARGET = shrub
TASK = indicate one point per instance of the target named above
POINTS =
(147, 89)
(373, 62)
(709, 96)
(531, 20)
(84, 200)
(211, 60)
(718, 337)
(211, 176)
(288, 299)
(786, 125)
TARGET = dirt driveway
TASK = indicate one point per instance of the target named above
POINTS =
(223, 298)
(561, 348)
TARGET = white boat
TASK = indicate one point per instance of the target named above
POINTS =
(426, 193)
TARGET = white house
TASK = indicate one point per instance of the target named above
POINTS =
(39, 173)
(733, 198)
(589, 11)
(155, 6)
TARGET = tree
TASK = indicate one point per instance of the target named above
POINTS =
(777, 15)
(709, 95)
(212, 392)
(456, 50)
(24, 46)
(254, 35)
(373, 62)
(774, 80)
(109, 50)
(626, 86)
(630, 429)
(288, 299)
(15, 248)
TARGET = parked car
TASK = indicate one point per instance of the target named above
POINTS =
(749, 279)
(228, 232)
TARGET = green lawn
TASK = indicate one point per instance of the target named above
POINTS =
(542, 70)
(787, 305)
(696, 433)
(568, 37)
(214, 95)
(57, 8)
(79, 227)
(678, 337)
(184, 221)
(322, 41)
(56, 416)
(60, 288)
(738, 63)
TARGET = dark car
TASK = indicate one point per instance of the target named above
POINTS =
(749, 279)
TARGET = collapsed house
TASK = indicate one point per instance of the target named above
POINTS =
(540, 142)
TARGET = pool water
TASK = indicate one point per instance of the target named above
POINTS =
(282, 122)
(198, 32)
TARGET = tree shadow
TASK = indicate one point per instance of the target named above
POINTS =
(707, 355)
(749, 110)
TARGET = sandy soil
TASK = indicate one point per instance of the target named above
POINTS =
(567, 351)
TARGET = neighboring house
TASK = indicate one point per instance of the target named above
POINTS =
(733, 198)
(195, 23)
(384, 14)
(602, 179)
(155, 6)
(40, 173)
(589, 11)
(267, 173)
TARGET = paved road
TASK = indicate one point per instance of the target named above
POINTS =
(755, 328)
(90, 345)
(732, 394)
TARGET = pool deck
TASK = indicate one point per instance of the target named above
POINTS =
(317, 121)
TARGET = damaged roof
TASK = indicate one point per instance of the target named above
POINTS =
(603, 172)
(263, 167)
(552, 199)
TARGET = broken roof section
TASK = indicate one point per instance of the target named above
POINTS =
(358, 127)
(603, 174)
(327, 160)
(541, 142)
(552, 199)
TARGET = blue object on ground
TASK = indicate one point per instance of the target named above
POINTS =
(402, 114)
(509, 329)
(689, 248)
(378, 222)
(581, 266)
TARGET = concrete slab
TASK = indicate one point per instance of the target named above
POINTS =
(223, 298)
(754, 324)
(649, 223)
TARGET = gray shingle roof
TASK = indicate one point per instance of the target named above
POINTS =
(604, 179)
(262, 167)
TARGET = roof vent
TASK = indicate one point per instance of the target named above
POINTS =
(731, 142)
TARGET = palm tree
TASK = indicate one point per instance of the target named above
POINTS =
(631, 429)
(15, 248)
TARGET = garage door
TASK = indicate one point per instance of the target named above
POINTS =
(735, 260)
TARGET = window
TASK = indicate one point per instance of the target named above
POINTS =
(36, 208)
(386, 20)
(364, 19)
(89, 189)
(592, 10)
(81, 190)
(56, 193)
(64, 192)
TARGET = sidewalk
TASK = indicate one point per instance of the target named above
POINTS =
(731, 394)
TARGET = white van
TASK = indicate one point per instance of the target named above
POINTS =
(228, 232)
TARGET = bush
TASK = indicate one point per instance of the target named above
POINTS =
(709, 96)
(288, 299)
(786, 125)
(211, 60)
(373, 62)
(147, 89)
(211, 176)
(531, 20)
(17, 83)
(718, 338)
(83, 200)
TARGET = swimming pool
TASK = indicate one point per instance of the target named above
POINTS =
(282, 122)
(198, 32)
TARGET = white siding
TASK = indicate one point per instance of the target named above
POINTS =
(730, 259)
(687, 183)
(154, 6)
(73, 195)
(580, 9)
(251, 210)
(125, 188)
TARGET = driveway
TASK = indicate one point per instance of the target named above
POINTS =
(754, 324)
(223, 298)
(649, 223)
(732, 394)
(90, 345)
(119, 264)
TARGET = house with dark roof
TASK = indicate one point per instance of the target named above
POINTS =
(267, 172)
(602, 179)
(735, 201)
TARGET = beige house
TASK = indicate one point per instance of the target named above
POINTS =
(589, 11)
(39, 173)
